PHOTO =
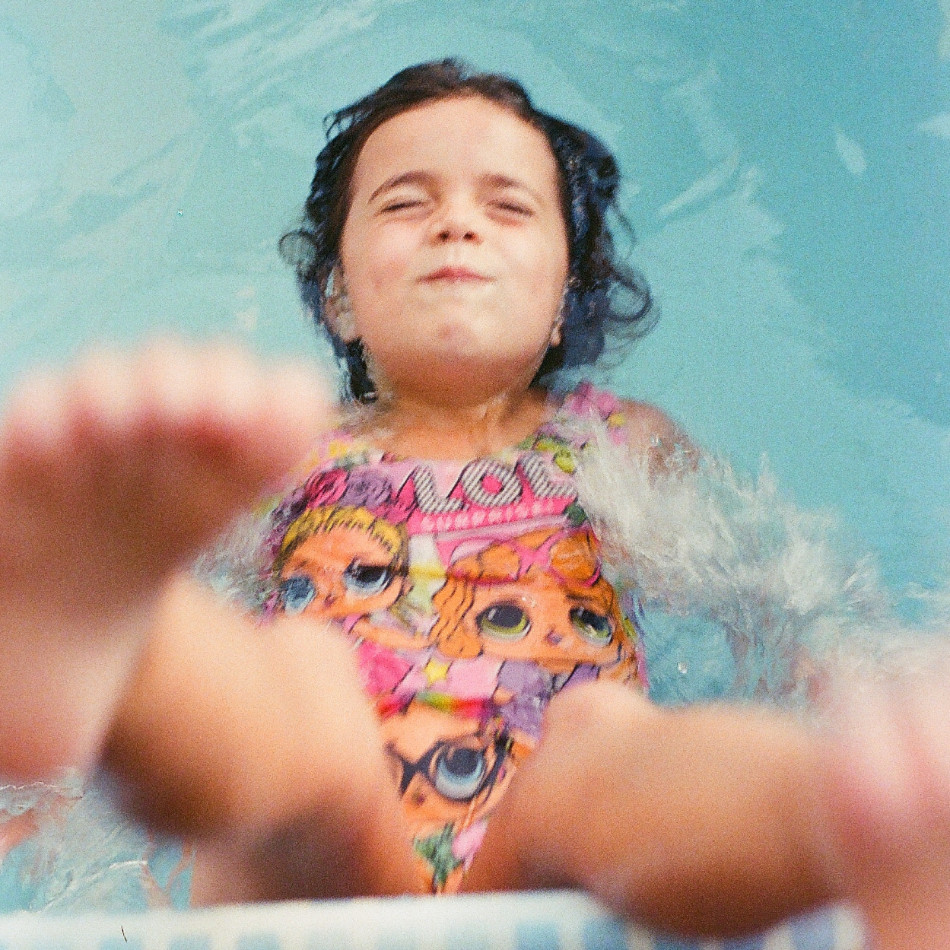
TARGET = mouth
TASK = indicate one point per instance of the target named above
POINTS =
(455, 275)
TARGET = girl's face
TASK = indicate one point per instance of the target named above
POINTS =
(454, 249)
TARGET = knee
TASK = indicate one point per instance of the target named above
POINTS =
(599, 706)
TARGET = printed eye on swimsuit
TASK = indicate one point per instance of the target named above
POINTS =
(296, 593)
(594, 627)
(505, 621)
(458, 769)
(459, 773)
(366, 580)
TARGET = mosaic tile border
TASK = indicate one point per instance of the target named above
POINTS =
(548, 921)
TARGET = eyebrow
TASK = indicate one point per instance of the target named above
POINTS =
(505, 181)
(588, 600)
(406, 178)
(426, 178)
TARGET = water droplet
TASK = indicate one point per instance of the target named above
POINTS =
(683, 667)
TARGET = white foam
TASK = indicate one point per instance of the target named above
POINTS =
(707, 542)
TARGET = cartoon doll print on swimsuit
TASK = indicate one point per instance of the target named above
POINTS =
(472, 593)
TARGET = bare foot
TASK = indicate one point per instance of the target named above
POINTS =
(693, 821)
(889, 799)
(112, 476)
(260, 742)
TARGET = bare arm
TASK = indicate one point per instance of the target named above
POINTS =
(652, 434)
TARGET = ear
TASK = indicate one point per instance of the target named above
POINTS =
(336, 308)
(340, 318)
(556, 335)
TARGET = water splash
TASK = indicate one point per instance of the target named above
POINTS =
(66, 849)
(765, 598)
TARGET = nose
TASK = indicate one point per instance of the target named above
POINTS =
(457, 222)
(448, 234)
(452, 232)
(327, 593)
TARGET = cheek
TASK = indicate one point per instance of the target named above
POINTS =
(377, 263)
(538, 255)
(542, 270)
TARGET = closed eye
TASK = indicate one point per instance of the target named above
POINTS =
(512, 207)
(402, 204)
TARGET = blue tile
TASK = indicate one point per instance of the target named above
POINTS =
(745, 943)
(120, 942)
(816, 932)
(604, 933)
(397, 940)
(537, 936)
(674, 943)
(326, 939)
(468, 938)
(190, 942)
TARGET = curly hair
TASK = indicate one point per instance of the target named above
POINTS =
(605, 296)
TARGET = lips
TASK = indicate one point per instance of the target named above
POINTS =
(454, 275)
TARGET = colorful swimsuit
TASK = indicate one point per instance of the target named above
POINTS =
(472, 592)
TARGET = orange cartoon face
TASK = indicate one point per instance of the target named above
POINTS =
(538, 597)
(449, 770)
(341, 562)
(539, 620)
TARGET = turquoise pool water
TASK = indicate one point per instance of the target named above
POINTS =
(787, 171)
(787, 168)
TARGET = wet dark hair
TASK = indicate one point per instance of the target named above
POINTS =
(605, 296)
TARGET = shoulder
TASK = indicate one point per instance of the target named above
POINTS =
(644, 429)
(645, 424)
(649, 431)
(338, 439)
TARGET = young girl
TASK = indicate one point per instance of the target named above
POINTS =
(433, 598)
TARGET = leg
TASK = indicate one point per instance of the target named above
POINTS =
(261, 745)
(258, 742)
(888, 789)
(695, 821)
(112, 477)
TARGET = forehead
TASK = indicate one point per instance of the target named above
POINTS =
(466, 135)
(340, 538)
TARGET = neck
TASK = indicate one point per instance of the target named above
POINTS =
(409, 425)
